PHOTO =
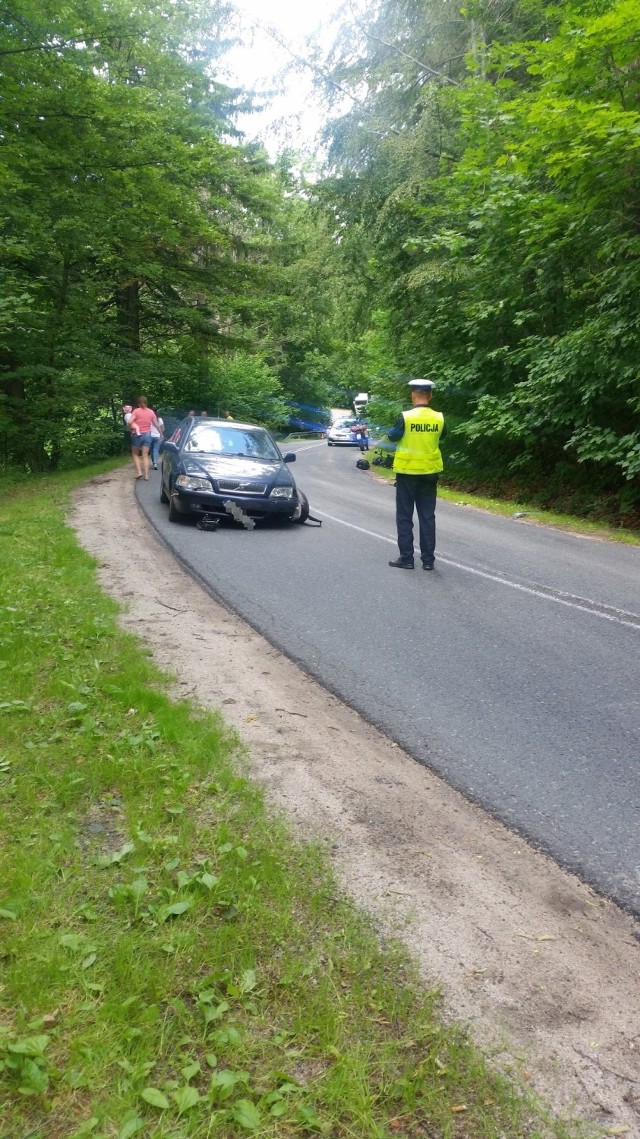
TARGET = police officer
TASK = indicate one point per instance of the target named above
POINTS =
(417, 464)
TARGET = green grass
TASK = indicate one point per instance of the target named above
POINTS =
(508, 507)
(174, 964)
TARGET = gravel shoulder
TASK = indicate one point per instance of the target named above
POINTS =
(545, 973)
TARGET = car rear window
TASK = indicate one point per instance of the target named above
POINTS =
(253, 443)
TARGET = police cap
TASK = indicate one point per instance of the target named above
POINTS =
(422, 385)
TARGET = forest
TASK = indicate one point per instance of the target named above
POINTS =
(474, 216)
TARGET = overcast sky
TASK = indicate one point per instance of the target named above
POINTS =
(293, 117)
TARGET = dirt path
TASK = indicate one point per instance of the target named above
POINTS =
(545, 973)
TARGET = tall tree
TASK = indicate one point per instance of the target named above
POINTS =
(496, 187)
(129, 226)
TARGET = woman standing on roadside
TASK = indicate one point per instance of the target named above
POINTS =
(140, 424)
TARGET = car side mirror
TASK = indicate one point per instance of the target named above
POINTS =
(169, 446)
(290, 457)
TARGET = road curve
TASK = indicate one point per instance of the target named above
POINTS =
(512, 671)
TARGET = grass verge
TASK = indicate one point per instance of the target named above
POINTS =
(175, 965)
(509, 507)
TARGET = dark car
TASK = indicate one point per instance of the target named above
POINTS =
(228, 469)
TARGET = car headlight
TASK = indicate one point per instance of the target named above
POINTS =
(282, 492)
(190, 482)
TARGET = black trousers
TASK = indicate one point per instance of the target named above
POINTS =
(416, 492)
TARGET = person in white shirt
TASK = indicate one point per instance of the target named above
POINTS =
(156, 436)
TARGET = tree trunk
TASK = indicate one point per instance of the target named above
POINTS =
(128, 309)
(53, 461)
(61, 304)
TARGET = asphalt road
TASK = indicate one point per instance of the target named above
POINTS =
(512, 670)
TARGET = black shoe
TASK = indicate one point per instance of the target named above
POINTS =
(401, 563)
(427, 565)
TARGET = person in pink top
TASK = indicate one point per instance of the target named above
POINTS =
(140, 421)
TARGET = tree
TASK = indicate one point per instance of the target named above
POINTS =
(131, 230)
(497, 198)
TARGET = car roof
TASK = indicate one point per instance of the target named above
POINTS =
(226, 423)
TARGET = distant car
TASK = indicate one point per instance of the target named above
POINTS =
(348, 432)
(218, 467)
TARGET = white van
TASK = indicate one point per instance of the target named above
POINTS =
(340, 413)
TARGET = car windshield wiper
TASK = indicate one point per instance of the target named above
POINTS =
(242, 455)
(236, 455)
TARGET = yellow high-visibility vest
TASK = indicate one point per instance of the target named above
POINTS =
(418, 452)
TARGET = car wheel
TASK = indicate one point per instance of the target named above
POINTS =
(329, 443)
(164, 497)
(301, 512)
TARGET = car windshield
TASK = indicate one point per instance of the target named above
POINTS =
(347, 423)
(247, 442)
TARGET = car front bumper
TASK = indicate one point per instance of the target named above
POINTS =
(263, 506)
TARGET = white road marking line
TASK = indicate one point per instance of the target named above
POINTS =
(596, 608)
